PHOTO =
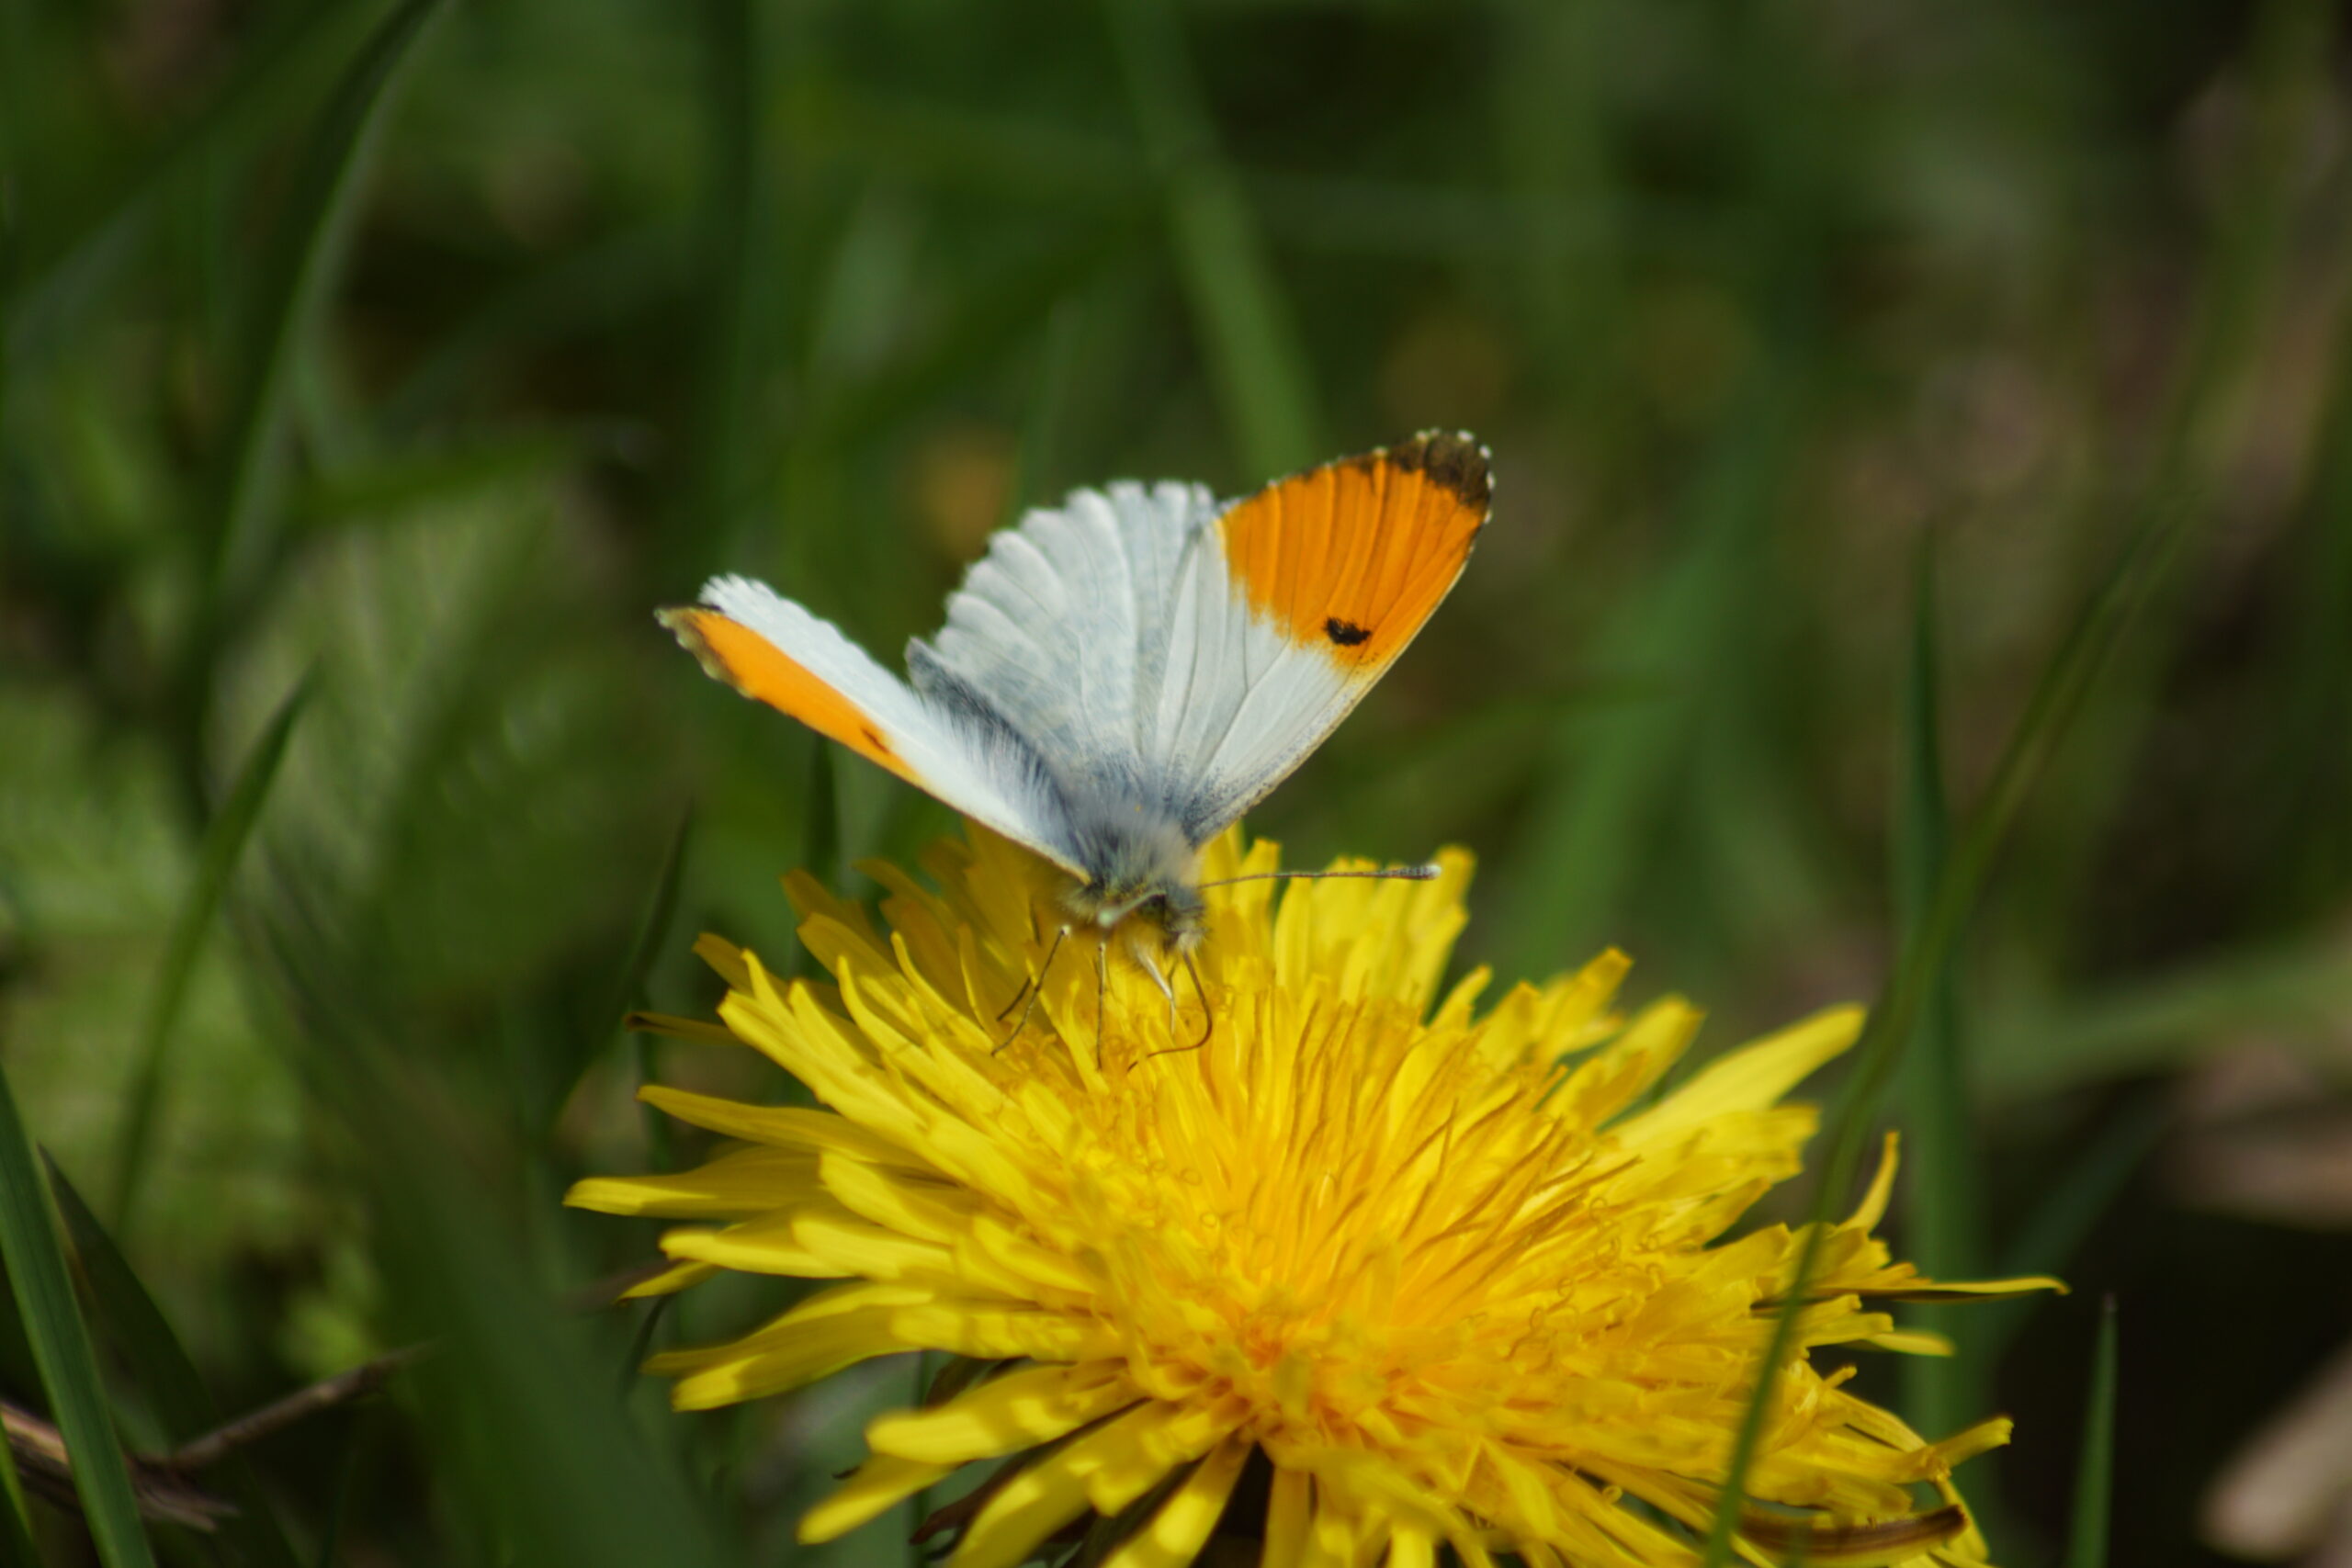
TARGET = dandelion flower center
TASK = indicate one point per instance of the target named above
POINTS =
(1456, 1275)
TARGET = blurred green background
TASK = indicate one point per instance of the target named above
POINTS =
(373, 370)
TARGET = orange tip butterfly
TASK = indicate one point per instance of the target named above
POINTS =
(1122, 677)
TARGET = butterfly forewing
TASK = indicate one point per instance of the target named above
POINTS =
(1316, 583)
(770, 648)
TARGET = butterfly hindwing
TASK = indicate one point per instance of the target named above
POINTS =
(1063, 629)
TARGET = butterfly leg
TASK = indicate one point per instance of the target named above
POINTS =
(1208, 1014)
(1030, 989)
(1102, 991)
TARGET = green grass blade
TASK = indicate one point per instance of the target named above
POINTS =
(652, 935)
(132, 1321)
(2081, 1192)
(394, 490)
(517, 1398)
(339, 1503)
(738, 278)
(515, 1403)
(2293, 989)
(1057, 367)
(15, 1521)
(289, 287)
(216, 863)
(15, 1518)
(1616, 762)
(61, 1344)
(654, 923)
(1733, 1496)
(2313, 767)
(1941, 1394)
(41, 311)
(640, 1340)
(820, 824)
(1257, 361)
(920, 1504)
(2246, 276)
(2058, 694)
(576, 293)
(135, 1326)
(2095, 1470)
(1553, 126)
(17, 56)
(994, 318)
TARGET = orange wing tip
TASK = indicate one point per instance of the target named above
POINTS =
(734, 653)
(684, 622)
(1351, 558)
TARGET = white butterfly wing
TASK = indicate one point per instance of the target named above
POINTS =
(1063, 628)
(1295, 604)
(1240, 707)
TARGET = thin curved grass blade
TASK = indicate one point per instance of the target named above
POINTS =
(739, 270)
(289, 287)
(1614, 764)
(1041, 426)
(1257, 363)
(79, 270)
(2095, 1470)
(652, 934)
(516, 1398)
(60, 1345)
(1941, 1197)
(216, 863)
(346, 1482)
(15, 1521)
(2294, 988)
(132, 1323)
(2247, 268)
(2057, 696)
(2071, 1205)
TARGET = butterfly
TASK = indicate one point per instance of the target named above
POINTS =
(1121, 677)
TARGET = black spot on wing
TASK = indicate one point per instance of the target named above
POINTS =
(1347, 634)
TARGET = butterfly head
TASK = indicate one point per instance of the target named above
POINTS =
(1179, 914)
(1170, 907)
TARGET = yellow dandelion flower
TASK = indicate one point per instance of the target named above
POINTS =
(1437, 1277)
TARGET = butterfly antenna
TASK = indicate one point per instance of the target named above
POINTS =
(1030, 989)
(1390, 873)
